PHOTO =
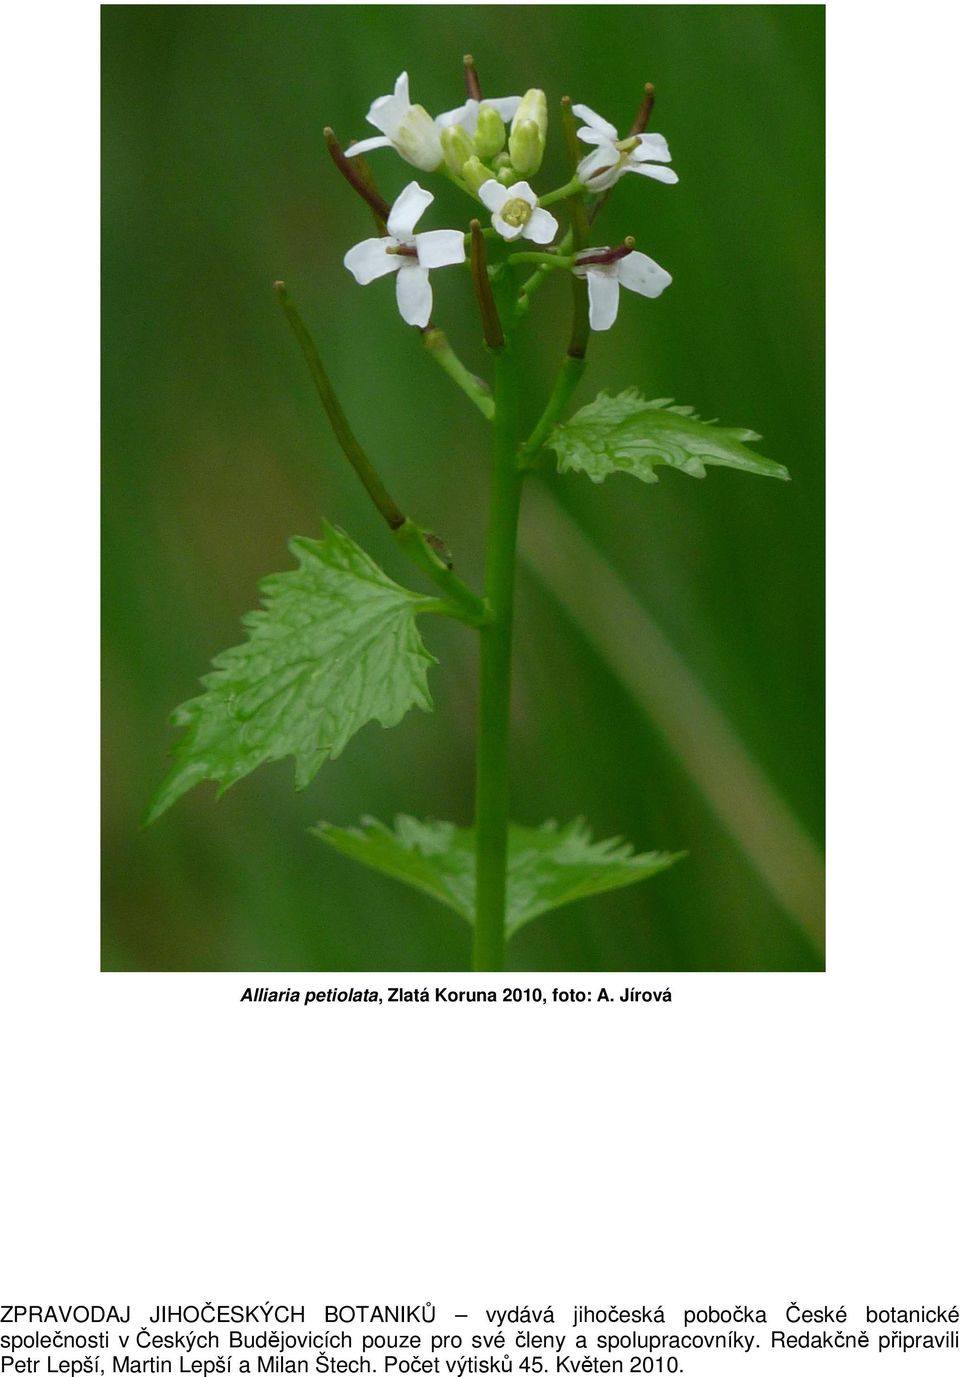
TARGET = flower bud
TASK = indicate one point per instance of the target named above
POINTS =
(491, 134)
(457, 147)
(528, 133)
(526, 148)
(475, 174)
(505, 170)
(417, 141)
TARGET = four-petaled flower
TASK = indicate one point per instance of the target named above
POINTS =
(409, 255)
(466, 115)
(613, 156)
(407, 128)
(607, 270)
(516, 212)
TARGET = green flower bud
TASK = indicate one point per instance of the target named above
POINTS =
(475, 174)
(491, 134)
(507, 175)
(528, 133)
(457, 147)
(526, 147)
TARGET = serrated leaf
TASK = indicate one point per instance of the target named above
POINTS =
(334, 646)
(547, 866)
(629, 434)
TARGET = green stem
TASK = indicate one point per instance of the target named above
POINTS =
(429, 553)
(548, 260)
(438, 346)
(537, 279)
(493, 736)
(571, 188)
(571, 370)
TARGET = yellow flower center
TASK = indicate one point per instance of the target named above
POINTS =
(516, 212)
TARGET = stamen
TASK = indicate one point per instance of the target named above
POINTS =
(405, 250)
(516, 212)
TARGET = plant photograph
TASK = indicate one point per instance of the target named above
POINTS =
(463, 488)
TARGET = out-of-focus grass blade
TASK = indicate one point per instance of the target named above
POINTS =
(621, 630)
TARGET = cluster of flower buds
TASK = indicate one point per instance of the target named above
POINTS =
(489, 148)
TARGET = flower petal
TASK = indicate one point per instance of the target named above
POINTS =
(386, 112)
(541, 227)
(407, 209)
(438, 248)
(654, 170)
(601, 168)
(364, 145)
(466, 115)
(505, 106)
(587, 135)
(595, 121)
(603, 289)
(506, 231)
(414, 294)
(651, 148)
(524, 192)
(638, 273)
(493, 194)
(369, 259)
(461, 116)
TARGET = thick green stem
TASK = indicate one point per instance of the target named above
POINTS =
(493, 736)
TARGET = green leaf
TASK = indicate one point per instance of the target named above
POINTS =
(334, 647)
(627, 433)
(547, 866)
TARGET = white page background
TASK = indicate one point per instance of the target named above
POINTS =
(763, 1138)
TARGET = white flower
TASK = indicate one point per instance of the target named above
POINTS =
(614, 156)
(466, 115)
(409, 255)
(407, 128)
(635, 271)
(516, 211)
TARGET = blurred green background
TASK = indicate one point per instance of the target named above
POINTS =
(215, 182)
